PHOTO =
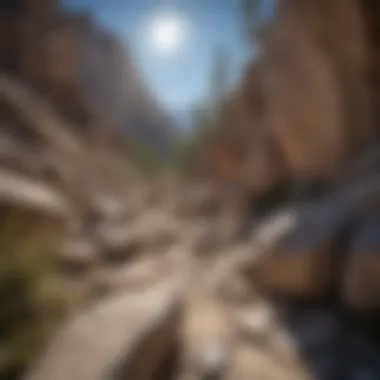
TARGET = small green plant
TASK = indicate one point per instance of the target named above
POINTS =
(145, 160)
(32, 299)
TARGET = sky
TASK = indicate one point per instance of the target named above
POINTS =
(178, 76)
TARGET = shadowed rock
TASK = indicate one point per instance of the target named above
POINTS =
(77, 255)
(361, 274)
(301, 262)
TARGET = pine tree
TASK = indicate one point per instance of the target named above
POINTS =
(206, 117)
(256, 15)
(219, 76)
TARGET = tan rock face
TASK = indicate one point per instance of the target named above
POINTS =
(295, 99)
(315, 84)
(304, 105)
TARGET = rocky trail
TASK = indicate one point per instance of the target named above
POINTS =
(179, 283)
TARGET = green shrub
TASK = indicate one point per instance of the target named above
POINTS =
(32, 300)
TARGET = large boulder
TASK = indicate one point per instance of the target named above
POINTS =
(299, 261)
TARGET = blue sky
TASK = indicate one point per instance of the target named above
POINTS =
(181, 80)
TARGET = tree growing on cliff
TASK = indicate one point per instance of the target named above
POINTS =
(256, 16)
(207, 115)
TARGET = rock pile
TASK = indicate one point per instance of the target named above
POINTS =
(292, 297)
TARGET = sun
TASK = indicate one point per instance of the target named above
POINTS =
(167, 33)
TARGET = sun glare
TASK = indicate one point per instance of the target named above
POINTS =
(167, 33)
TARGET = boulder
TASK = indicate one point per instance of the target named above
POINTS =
(141, 274)
(77, 255)
(300, 260)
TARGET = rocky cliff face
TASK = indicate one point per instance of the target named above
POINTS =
(114, 89)
(309, 102)
(84, 71)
